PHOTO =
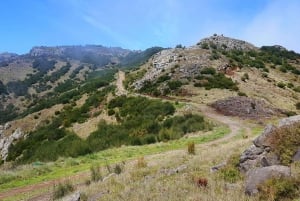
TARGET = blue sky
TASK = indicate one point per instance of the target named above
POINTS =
(139, 24)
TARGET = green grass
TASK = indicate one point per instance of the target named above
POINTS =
(63, 168)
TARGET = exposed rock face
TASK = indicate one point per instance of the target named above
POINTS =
(5, 142)
(257, 176)
(73, 197)
(260, 163)
(227, 43)
(245, 107)
(289, 120)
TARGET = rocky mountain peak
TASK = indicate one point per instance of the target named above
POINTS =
(223, 42)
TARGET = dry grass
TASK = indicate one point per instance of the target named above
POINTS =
(153, 183)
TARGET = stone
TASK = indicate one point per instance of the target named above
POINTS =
(262, 140)
(258, 176)
(73, 197)
(7, 126)
(257, 157)
(217, 167)
(251, 153)
(109, 176)
(289, 120)
(5, 142)
(296, 157)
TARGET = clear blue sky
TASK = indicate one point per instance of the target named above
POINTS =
(139, 24)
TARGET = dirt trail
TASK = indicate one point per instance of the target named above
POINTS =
(45, 184)
(234, 125)
(120, 87)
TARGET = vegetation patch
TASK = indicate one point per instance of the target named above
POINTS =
(285, 142)
(278, 189)
(215, 80)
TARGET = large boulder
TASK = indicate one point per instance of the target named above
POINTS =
(289, 120)
(263, 139)
(258, 176)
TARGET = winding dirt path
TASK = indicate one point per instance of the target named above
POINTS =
(234, 125)
(120, 87)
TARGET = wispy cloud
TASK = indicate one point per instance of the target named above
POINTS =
(278, 23)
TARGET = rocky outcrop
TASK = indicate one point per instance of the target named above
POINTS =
(245, 107)
(258, 176)
(227, 43)
(6, 141)
(260, 163)
(289, 120)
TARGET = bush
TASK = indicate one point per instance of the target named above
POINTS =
(95, 173)
(278, 189)
(208, 71)
(62, 190)
(285, 142)
(281, 85)
(231, 173)
(242, 94)
(110, 112)
(245, 77)
(118, 169)
(218, 80)
(173, 85)
(191, 148)
(297, 105)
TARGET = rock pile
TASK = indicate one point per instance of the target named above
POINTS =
(260, 163)
(245, 107)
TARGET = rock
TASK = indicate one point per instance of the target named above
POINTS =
(73, 197)
(217, 167)
(7, 126)
(5, 142)
(296, 157)
(257, 157)
(251, 153)
(262, 140)
(181, 168)
(258, 176)
(109, 176)
(173, 170)
(289, 120)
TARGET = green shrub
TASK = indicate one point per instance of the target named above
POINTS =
(242, 94)
(281, 85)
(208, 71)
(204, 46)
(285, 142)
(95, 173)
(245, 77)
(110, 112)
(175, 84)
(278, 189)
(231, 173)
(297, 105)
(62, 190)
(218, 80)
(118, 169)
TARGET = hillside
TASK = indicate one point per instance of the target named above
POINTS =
(86, 108)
